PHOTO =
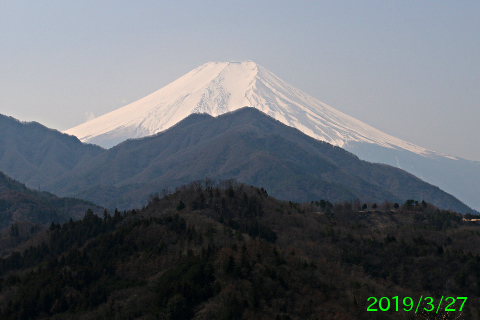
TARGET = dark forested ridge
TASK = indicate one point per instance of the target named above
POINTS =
(230, 251)
(248, 146)
(35, 209)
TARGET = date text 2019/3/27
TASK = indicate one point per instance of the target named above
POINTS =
(407, 304)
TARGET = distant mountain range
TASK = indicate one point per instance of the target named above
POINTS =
(245, 145)
(216, 88)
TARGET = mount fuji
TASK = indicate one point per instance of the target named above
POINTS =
(216, 88)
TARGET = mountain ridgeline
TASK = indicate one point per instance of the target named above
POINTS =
(34, 154)
(248, 146)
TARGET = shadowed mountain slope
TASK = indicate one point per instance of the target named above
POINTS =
(251, 147)
(19, 203)
(34, 154)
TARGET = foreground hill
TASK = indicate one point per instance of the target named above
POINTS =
(33, 154)
(229, 251)
(251, 147)
(21, 204)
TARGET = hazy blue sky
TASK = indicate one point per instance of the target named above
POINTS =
(408, 68)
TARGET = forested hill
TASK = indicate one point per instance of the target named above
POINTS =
(21, 204)
(229, 251)
(246, 145)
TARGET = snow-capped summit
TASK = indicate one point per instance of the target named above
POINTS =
(219, 87)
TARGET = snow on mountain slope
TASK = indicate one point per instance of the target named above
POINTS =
(219, 87)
